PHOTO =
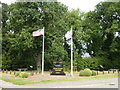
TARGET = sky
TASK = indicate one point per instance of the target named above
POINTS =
(83, 5)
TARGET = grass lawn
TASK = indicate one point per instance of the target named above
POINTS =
(18, 81)
(83, 78)
(21, 81)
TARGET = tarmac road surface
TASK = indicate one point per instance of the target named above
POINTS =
(99, 83)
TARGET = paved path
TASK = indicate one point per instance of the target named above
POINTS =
(99, 83)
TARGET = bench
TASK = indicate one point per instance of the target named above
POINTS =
(113, 69)
(22, 69)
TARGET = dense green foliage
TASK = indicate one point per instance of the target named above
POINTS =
(86, 72)
(24, 74)
(94, 33)
(94, 73)
(101, 28)
(17, 73)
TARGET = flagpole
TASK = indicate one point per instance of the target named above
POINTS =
(71, 54)
(43, 54)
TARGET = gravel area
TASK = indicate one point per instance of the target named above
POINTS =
(47, 76)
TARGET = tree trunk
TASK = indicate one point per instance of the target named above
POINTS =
(39, 62)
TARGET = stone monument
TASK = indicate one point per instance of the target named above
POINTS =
(57, 68)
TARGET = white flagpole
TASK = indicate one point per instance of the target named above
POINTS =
(71, 54)
(43, 54)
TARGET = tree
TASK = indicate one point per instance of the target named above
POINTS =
(74, 19)
(101, 27)
(23, 19)
(0, 36)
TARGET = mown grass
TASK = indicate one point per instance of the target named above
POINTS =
(18, 81)
(21, 81)
(83, 78)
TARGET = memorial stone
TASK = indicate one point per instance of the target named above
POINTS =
(57, 68)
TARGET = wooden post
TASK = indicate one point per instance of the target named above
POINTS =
(118, 71)
(32, 73)
(3, 71)
(103, 72)
(36, 72)
(113, 71)
(97, 72)
(14, 72)
(6, 71)
(10, 72)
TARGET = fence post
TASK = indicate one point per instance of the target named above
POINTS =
(97, 72)
(113, 71)
(36, 72)
(103, 72)
(118, 71)
(32, 73)
(10, 71)
(3, 71)
(14, 72)
(6, 71)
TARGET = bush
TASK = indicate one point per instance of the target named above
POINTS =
(17, 74)
(24, 75)
(81, 73)
(94, 73)
(86, 72)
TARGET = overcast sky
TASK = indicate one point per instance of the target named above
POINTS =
(84, 5)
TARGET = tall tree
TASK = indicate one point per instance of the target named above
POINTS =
(26, 17)
(101, 27)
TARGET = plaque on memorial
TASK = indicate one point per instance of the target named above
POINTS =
(57, 69)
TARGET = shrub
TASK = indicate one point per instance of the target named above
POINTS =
(94, 73)
(17, 74)
(86, 72)
(24, 75)
(81, 73)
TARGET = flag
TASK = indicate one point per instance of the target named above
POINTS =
(68, 35)
(38, 32)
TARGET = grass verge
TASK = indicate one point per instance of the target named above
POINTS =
(20, 81)
(83, 78)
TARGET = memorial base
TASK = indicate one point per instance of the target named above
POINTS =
(57, 73)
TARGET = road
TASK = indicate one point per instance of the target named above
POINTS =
(99, 83)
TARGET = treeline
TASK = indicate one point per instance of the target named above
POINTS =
(96, 33)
